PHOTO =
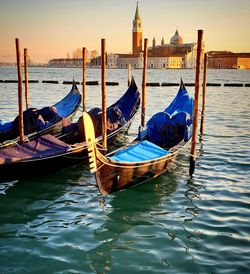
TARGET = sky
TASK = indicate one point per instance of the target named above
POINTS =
(53, 28)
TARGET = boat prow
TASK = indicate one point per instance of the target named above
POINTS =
(91, 141)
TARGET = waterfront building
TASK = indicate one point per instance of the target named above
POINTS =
(111, 61)
(65, 62)
(176, 54)
(228, 60)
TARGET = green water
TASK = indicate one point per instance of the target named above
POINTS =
(59, 223)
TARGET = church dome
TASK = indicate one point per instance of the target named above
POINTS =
(176, 39)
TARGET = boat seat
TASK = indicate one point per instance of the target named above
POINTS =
(115, 115)
(29, 120)
(167, 131)
(115, 119)
(142, 151)
(49, 114)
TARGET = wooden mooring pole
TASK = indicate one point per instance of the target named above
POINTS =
(26, 77)
(129, 74)
(83, 89)
(20, 101)
(204, 92)
(83, 79)
(145, 61)
(104, 111)
(196, 103)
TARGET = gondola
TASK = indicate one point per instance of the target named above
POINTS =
(47, 120)
(49, 153)
(155, 150)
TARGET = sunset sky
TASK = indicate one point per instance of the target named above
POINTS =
(52, 28)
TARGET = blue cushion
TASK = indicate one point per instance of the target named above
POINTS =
(141, 151)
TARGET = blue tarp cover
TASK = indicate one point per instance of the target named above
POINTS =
(5, 125)
(42, 147)
(63, 109)
(68, 103)
(117, 114)
(164, 128)
(129, 102)
(141, 151)
(169, 127)
(183, 102)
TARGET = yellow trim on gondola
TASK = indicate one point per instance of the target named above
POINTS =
(90, 140)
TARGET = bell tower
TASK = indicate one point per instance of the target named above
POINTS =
(137, 32)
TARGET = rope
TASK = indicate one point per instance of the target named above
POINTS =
(13, 142)
(100, 147)
(100, 167)
(143, 114)
(8, 143)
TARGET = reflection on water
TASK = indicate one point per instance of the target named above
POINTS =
(192, 194)
(125, 212)
(33, 195)
(59, 223)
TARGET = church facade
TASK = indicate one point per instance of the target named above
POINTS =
(176, 54)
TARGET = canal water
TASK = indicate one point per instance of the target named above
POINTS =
(59, 223)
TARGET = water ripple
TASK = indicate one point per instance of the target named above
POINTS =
(173, 224)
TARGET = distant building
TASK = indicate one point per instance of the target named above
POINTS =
(137, 33)
(111, 61)
(176, 54)
(228, 60)
(136, 58)
(65, 62)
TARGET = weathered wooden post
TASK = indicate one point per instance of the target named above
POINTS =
(145, 61)
(129, 74)
(104, 112)
(83, 88)
(26, 78)
(20, 101)
(196, 103)
(83, 79)
(204, 92)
